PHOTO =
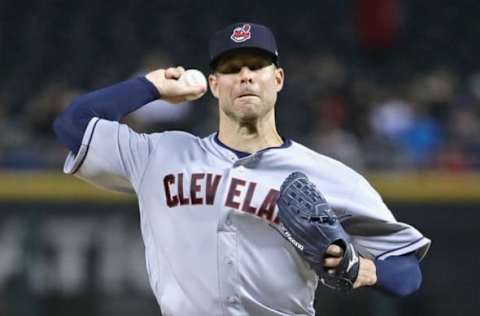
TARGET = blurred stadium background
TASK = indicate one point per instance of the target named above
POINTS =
(390, 87)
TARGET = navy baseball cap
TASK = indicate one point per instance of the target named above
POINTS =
(242, 35)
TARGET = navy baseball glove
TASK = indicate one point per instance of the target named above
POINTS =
(310, 225)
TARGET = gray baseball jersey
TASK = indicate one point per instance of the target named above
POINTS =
(207, 217)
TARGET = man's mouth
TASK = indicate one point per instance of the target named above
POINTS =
(247, 94)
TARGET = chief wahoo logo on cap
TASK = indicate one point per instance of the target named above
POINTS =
(241, 33)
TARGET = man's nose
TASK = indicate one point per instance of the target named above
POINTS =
(246, 75)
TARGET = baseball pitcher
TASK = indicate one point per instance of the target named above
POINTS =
(243, 221)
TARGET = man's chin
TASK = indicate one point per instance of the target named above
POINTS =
(247, 110)
(245, 116)
(247, 103)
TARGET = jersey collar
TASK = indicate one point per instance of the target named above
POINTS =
(241, 154)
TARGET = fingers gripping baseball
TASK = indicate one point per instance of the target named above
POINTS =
(174, 73)
(171, 88)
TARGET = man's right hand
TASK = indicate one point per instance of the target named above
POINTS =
(170, 88)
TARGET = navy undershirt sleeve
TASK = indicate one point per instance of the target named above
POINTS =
(110, 103)
(398, 275)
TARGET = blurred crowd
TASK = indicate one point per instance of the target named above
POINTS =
(428, 122)
(376, 84)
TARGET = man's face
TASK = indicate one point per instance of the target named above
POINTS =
(246, 84)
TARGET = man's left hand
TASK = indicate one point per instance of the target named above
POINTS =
(367, 273)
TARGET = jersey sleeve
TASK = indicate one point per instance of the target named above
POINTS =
(375, 230)
(111, 155)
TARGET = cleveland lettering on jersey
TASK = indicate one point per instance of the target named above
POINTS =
(203, 189)
(266, 209)
(210, 183)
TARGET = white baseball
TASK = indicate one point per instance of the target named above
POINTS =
(194, 77)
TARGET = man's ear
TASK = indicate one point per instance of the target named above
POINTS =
(212, 80)
(279, 78)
